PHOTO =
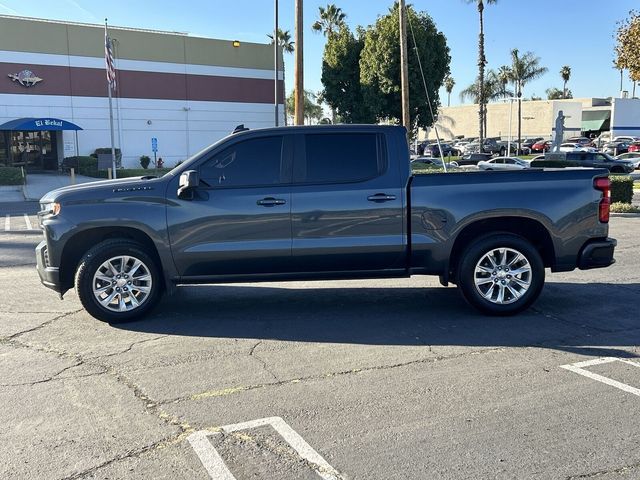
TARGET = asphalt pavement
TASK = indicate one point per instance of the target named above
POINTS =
(370, 379)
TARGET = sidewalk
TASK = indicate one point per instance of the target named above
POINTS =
(37, 185)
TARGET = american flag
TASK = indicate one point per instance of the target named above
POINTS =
(108, 58)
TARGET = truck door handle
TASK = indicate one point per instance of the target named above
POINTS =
(381, 197)
(270, 202)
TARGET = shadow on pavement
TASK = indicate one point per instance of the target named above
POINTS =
(590, 319)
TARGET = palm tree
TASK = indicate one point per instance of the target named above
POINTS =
(330, 19)
(287, 46)
(565, 73)
(524, 69)
(449, 83)
(482, 61)
(495, 88)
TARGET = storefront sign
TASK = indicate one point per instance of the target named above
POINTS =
(26, 78)
(48, 122)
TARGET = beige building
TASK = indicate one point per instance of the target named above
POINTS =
(538, 118)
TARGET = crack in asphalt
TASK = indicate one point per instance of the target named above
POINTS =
(600, 473)
(232, 390)
(48, 379)
(129, 348)
(265, 367)
(38, 327)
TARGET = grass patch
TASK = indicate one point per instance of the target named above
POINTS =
(11, 176)
(620, 207)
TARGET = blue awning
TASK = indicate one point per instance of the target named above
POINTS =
(38, 124)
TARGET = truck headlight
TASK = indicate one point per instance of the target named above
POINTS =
(52, 207)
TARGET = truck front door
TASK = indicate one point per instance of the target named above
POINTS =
(239, 219)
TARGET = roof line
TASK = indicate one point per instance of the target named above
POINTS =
(95, 25)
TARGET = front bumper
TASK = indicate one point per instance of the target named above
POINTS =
(597, 254)
(49, 276)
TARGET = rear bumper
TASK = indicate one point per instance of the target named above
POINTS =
(597, 254)
(49, 276)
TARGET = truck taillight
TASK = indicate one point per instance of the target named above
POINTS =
(604, 185)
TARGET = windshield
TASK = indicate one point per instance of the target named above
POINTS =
(185, 165)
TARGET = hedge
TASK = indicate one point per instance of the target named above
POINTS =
(107, 151)
(88, 166)
(11, 176)
(621, 188)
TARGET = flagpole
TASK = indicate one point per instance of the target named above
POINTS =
(113, 148)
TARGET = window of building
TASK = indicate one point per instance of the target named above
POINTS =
(252, 162)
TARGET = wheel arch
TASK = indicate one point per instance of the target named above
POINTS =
(80, 243)
(527, 228)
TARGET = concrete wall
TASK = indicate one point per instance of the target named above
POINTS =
(625, 117)
(538, 118)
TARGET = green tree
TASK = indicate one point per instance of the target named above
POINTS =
(449, 83)
(330, 19)
(312, 111)
(287, 46)
(557, 94)
(495, 88)
(627, 48)
(524, 69)
(341, 77)
(565, 74)
(380, 66)
(482, 61)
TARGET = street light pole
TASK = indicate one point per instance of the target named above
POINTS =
(404, 66)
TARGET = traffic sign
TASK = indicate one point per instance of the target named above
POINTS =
(154, 144)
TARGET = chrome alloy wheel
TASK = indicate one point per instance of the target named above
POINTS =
(502, 276)
(122, 283)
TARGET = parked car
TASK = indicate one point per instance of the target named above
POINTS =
(530, 142)
(432, 150)
(473, 158)
(524, 150)
(229, 215)
(616, 147)
(634, 147)
(542, 146)
(594, 160)
(626, 138)
(490, 145)
(633, 157)
(575, 147)
(584, 141)
(434, 161)
(503, 163)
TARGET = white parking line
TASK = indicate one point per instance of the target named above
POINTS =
(7, 223)
(27, 221)
(579, 368)
(217, 469)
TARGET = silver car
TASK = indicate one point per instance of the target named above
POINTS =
(503, 163)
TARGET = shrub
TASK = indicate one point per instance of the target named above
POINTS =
(11, 176)
(621, 188)
(144, 161)
(620, 207)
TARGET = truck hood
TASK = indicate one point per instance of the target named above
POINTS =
(97, 188)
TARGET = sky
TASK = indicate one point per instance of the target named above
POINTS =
(578, 33)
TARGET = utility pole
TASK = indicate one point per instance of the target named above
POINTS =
(299, 70)
(404, 67)
(276, 46)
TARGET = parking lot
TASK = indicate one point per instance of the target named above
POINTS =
(375, 379)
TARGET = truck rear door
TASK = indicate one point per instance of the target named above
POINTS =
(346, 203)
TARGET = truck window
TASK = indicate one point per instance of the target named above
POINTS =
(251, 162)
(341, 157)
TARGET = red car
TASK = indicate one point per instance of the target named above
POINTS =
(634, 147)
(542, 146)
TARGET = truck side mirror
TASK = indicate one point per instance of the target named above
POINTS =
(189, 180)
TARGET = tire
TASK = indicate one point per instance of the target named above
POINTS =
(617, 170)
(127, 297)
(517, 291)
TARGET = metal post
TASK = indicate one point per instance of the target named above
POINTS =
(509, 140)
(404, 67)
(113, 149)
(275, 61)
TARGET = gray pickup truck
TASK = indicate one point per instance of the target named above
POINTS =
(322, 202)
